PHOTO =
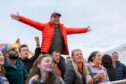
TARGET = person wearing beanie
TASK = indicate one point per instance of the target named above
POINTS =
(15, 70)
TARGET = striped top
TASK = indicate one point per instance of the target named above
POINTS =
(95, 70)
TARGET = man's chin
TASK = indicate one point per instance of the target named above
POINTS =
(49, 70)
(56, 62)
(56, 23)
(26, 57)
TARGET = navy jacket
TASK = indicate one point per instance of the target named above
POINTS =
(120, 71)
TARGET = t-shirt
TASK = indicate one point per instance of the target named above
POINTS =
(57, 42)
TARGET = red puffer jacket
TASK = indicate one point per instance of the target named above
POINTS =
(47, 30)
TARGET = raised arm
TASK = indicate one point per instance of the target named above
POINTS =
(37, 50)
(27, 21)
(78, 30)
(37, 41)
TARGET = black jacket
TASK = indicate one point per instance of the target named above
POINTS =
(29, 62)
(62, 66)
(120, 71)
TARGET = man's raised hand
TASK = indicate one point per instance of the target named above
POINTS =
(15, 16)
(37, 41)
(89, 29)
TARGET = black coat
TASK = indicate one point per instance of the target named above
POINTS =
(120, 71)
(62, 66)
(29, 62)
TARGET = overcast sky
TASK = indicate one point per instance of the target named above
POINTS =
(107, 19)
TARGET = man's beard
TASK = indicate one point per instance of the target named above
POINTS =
(12, 56)
(55, 62)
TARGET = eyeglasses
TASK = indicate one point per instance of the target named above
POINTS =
(12, 49)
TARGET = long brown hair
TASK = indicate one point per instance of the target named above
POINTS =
(93, 54)
(51, 79)
(2, 70)
(85, 70)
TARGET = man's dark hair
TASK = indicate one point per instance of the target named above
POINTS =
(21, 46)
(57, 51)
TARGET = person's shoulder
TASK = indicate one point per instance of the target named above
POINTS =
(19, 60)
(123, 65)
(120, 63)
(59, 81)
(6, 64)
(20, 63)
(89, 65)
(62, 58)
(103, 68)
(69, 67)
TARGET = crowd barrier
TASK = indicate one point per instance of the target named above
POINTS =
(117, 82)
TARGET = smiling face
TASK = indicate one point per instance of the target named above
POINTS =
(115, 57)
(77, 56)
(55, 19)
(97, 58)
(46, 64)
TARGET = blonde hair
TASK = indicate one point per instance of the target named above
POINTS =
(85, 70)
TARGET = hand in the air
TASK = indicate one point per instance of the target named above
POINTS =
(15, 16)
(89, 29)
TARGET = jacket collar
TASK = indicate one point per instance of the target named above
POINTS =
(51, 23)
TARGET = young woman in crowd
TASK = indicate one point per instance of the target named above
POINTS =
(97, 71)
(107, 63)
(77, 73)
(3, 79)
(42, 72)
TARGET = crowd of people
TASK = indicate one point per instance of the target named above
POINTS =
(17, 68)
(48, 66)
